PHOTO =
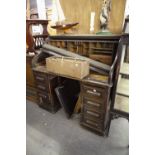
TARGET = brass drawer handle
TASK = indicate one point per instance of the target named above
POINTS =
(92, 103)
(92, 113)
(40, 78)
(41, 87)
(92, 123)
(94, 92)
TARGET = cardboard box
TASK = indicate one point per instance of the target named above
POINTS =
(66, 66)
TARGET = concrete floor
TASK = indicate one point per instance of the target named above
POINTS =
(54, 134)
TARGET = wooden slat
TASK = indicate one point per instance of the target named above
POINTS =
(123, 87)
(106, 59)
(122, 103)
(78, 105)
(124, 69)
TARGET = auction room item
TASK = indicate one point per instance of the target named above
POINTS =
(72, 67)
(98, 87)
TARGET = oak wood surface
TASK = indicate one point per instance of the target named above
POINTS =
(115, 24)
(80, 10)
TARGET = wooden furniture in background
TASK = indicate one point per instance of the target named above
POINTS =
(33, 44)
(35, 41)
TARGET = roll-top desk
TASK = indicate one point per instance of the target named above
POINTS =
(96, 89)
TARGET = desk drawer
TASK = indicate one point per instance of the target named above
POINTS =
(98, 126)
(92, 104)
(92, 114)
(42, 87)
(93, 92)
(48, 102)
(40, 77)
(44, 98)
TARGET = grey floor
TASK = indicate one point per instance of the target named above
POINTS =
(54, 134)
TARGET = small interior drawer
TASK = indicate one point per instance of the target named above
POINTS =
(93, 92)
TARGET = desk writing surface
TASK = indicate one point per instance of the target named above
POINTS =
(91, 78)
(44, 70)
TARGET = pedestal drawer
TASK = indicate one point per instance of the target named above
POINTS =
(44, 98)
(92, 114)
(92, 104)
(97, 126)
(40, 77)
(93, 92)
(42, 87)
(48, 102)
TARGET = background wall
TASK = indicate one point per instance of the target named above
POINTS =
(117, 16)
(80, 11)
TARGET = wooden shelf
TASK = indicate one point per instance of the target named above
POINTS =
(123, 87)
(124, 69)
(122, 103)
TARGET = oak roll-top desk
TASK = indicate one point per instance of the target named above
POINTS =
(96, 88)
